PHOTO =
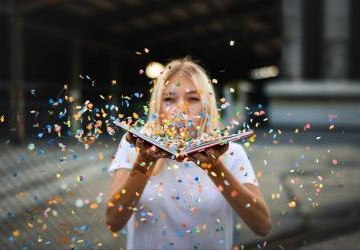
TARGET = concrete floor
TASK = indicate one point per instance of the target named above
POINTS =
(319, 170)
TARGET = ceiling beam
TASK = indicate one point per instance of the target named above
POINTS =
(55, 32)
(39, 4)
(240, 11)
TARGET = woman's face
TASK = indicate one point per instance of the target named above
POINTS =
(180, 96)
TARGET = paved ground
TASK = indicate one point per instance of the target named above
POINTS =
(53, 199)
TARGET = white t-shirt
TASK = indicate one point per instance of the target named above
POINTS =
(181, 208)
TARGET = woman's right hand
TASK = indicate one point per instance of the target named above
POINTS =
(148, 151)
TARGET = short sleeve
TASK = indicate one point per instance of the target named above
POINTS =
(240, 164)
(124, 157)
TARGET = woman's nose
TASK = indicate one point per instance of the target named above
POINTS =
(182, 107)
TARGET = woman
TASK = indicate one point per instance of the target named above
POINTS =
(177, 204)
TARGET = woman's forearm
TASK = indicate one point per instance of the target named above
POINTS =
(123, 201)
(248, 205)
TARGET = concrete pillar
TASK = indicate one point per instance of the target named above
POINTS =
(17, 95)
(336, 38)
(291, 65)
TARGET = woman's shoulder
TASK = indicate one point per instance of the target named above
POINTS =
(236, 149)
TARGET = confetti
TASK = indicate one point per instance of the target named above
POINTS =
(31, 146)
(292, 204)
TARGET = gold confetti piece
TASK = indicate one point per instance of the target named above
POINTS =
(146, 50)
(214, 81)
(232, 90)
(16, 233)
(117, 196)
(213, 173)
(113, 82)
(2, 118)
(101, 156)
(292, 204)
(94, 205)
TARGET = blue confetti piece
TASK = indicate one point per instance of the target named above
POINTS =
(74, 156)
(21, 158)
(40, 152)
(179, 233)
(187, 164)
(82, 228)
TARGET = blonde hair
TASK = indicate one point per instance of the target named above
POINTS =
(202, 82)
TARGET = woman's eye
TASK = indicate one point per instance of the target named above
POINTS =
(168, 99)
(194, 99)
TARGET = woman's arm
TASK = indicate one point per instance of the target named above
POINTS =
(127, 187)
(125, 191)
(246, 199)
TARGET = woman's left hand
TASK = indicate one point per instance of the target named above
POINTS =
(209, 157)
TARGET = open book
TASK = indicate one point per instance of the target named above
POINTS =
(188, 149)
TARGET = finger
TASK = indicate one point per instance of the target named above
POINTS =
(164, 154)
(212, 153)
(198, 158)
(129, 137)
(154, 149)
(225, 147)
(139, 143)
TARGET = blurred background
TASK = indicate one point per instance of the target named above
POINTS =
(288, 69)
